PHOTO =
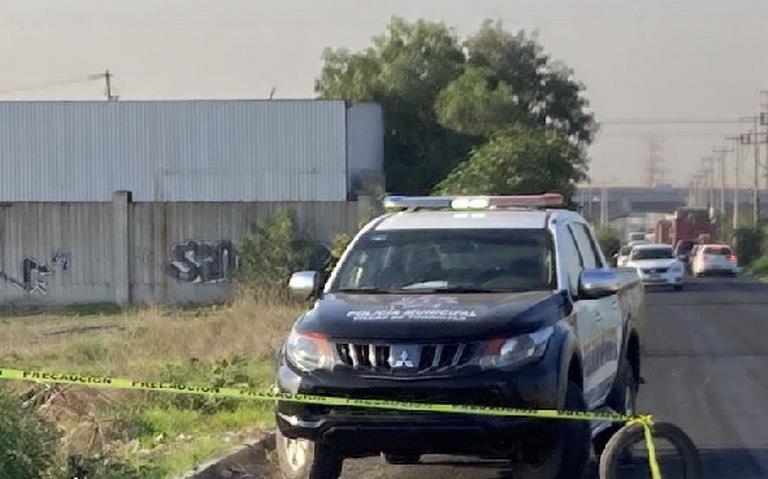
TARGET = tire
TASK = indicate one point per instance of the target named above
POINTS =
(568, 456)
(304, 459)
(678, 287)
(622, 399)
(628, 436)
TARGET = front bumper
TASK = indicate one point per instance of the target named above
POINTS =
(362, 431)
(667, 278)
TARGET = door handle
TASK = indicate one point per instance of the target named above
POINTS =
(598, 317)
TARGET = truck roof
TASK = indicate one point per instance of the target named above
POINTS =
(652, 246)
(446, 219)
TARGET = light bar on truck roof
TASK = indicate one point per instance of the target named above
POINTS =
(473, 202)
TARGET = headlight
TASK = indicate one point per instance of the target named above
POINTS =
(677, 267)
(309, 351)
(509, 352)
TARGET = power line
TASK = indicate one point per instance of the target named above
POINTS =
(668, 121)
(51, 84)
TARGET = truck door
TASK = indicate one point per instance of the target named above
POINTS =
(586, 312)
(609, 317)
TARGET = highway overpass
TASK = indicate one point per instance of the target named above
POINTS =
(623, 201)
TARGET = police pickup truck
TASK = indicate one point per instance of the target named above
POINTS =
(496, 300)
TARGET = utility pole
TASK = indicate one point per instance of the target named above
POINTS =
(764, 123)
(108, 80)
(736, 196)
(722, 152)
(604, 207)
(709, 181)
(756, 189)
(752, 138)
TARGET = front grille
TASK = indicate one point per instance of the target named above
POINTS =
(655, 270)
(432, 357)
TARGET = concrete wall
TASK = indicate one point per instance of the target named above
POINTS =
(125, 252)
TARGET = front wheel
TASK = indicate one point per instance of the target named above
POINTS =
(305, 459)
(567, 455)
(678, 287)
(623, 400)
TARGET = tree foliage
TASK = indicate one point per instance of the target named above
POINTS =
(519, 161)
(404, 71)
(477, 104)
(442, 99)
(545, 91)
(749, 243)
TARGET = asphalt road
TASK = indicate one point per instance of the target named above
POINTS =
(706, 369)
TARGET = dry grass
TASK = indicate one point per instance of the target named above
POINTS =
(148, 344)
(134, 343)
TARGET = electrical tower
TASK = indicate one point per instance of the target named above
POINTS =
(654, 169)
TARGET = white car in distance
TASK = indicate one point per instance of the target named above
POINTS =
(714, 259)
(657, 265)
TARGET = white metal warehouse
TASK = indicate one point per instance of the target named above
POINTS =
(145, 201)
(202, 150)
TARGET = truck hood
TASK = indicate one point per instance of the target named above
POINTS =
(652, 263)
(422, 317)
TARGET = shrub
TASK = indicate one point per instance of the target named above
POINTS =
(28, 442)
(97, 468)
(749, 243)
(760, 267)
(274, 249)
(609, 241)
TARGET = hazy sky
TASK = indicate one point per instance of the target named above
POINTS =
(702, 59)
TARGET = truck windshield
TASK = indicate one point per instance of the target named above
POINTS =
(458, 261)
(652, 253)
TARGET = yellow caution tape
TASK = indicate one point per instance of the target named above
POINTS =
(264, 395)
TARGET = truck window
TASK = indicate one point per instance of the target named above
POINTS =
(462, 260)
(652, 253)
(571, 261)
(587, 248)
(718, 250)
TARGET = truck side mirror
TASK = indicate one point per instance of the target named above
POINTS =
(598, 283)
(303, 284)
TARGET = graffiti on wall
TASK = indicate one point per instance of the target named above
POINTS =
(195, 261)
(35, 272)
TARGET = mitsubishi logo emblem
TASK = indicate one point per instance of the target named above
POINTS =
(404, 356)
(403, 361)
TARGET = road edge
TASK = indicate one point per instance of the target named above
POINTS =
(247, 461)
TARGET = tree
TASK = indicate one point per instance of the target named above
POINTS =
(545, 92)
(441, 100)
(404, 71)
(477, 104)
(519, 161)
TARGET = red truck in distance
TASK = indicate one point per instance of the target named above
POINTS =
(688, 227)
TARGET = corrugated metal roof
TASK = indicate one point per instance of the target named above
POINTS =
(209, 150)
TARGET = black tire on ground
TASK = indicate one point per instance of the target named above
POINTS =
(402, 458)
(628, 436)
(304, 459)
(568, 456)
(622, 399)
(678, 287)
